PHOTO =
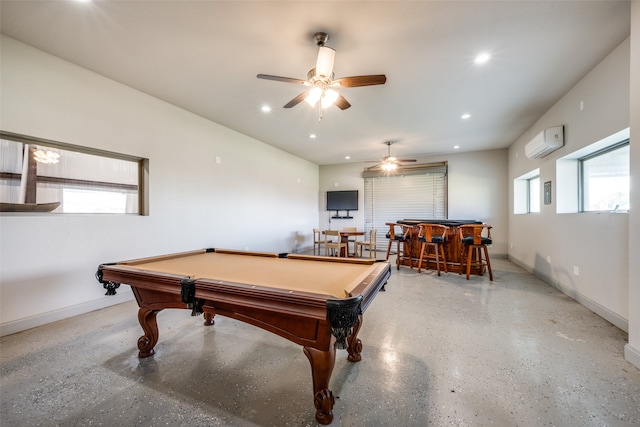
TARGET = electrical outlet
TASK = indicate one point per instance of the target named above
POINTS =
(576, 270)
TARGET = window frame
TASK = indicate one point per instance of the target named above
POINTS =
(567, 188)
(522, 193)
(142, 165)
(531, 197)
(581, 174)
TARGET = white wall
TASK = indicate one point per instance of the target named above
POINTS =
(632, 349)
(597, 243)
(258, 197)
(477, 189)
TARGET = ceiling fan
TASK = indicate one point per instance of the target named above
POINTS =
(390, 163)
(320, 80)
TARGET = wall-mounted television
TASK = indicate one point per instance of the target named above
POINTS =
(342, 201)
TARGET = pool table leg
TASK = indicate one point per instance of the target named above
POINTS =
(354, 347)
(208, 318)
(322, 363)
(146, 343)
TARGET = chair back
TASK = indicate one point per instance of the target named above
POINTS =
(373, 234)
(329, 235)
(475, 234)
(402, 234)
(347, 229)
(432, 233)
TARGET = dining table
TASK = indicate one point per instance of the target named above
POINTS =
(344, 238)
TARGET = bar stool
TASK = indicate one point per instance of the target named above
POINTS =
(474, 239)
(402, 241)
(433, 235)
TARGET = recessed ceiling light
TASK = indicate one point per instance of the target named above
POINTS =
(266, 108)
(465, 116)
(347, 157)
(455, 147)
(482, 58)
(312, 136)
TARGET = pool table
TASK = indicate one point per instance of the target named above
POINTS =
(316, 302)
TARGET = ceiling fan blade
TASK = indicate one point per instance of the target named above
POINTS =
(342, 102)
(298, 99)
(283, 79)
(406, 160)
(356, 81)
(324, 64)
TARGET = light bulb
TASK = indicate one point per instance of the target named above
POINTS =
(314, 96)
(329, 97)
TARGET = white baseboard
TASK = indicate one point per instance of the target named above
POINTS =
(632, 355)
(64, 313)
(598, 309)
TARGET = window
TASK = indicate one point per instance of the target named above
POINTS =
(595, 178)
(604, 179)
(415, 192)
(46, 176)
(526, 193)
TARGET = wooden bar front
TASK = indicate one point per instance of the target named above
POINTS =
(452, 247)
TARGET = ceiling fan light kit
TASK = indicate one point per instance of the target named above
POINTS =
(321, 80)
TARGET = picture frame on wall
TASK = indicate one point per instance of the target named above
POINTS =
(547, 193)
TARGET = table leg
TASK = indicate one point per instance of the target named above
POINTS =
(208, 316)
(322, 363)
(354, 347)
(146, 343)
(345, 240)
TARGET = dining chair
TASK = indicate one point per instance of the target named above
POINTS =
(474, 239)
(369, 244)
(318, 241)
(333, 243)
(432, 236)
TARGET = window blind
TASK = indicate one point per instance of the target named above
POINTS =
(418, 192)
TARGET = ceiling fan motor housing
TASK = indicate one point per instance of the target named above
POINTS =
(320, 38)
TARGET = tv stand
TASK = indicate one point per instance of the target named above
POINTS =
(337, 216)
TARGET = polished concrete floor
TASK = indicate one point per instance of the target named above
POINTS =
(439, 351)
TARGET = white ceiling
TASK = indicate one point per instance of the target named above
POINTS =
(203, 56)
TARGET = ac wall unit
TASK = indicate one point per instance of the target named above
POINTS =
(545, 142)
